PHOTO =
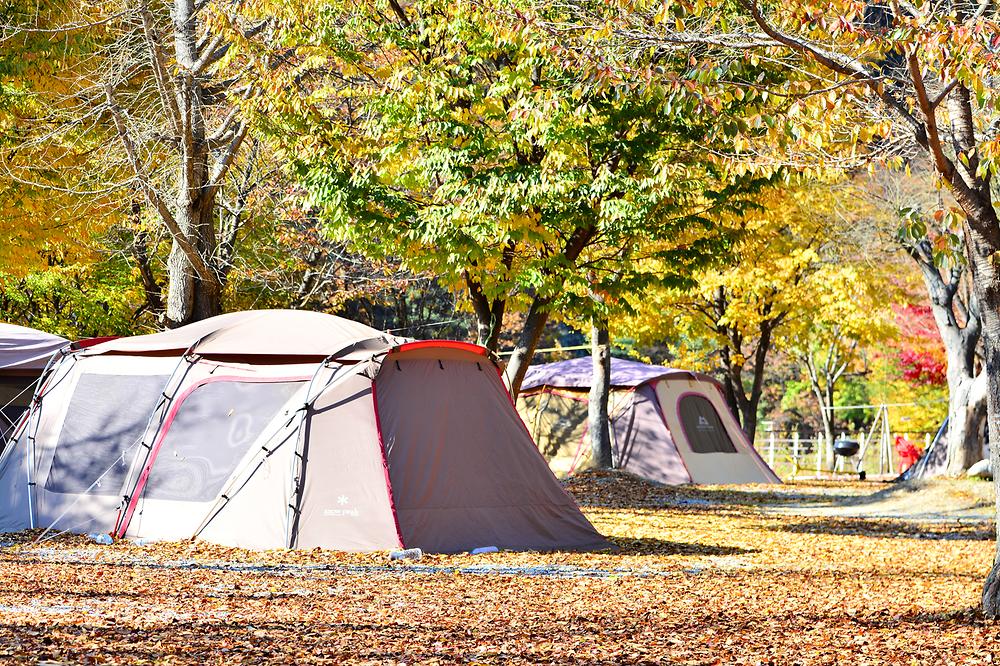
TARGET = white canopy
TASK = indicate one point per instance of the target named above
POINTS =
(24, 348)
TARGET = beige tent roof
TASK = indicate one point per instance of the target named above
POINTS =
(259, 332)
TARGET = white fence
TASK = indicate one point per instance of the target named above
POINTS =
(800, 457)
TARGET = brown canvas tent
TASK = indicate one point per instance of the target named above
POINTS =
(284, 428)
(668, 426)
(24, 354)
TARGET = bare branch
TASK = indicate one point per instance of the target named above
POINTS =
(153, 197)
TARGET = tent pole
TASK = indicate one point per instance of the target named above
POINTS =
(296, 469)
(31, 426)
(127, 505)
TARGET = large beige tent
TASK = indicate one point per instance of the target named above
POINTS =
(668, 426)
(24, 354)
(284, 428)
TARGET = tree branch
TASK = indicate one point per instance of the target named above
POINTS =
(841, 64)
(153, 197)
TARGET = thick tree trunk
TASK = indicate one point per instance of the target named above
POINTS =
(600, 391)
(527, 342)
(983, 250)
(749, 413)
(488, 332)
(991, 588)
(966, 392)
(730, 394)
(966, 410)
(191, 297)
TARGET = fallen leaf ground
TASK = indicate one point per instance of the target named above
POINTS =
(701, 576)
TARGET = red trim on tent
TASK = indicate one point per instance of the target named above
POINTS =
(90, 342)
(385, 466)
(174, 408)
(448, 344)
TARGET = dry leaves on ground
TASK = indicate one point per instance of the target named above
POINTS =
(700, 576)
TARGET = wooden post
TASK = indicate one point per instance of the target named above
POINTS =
(820, 453)
(795, 451)
(770, 450)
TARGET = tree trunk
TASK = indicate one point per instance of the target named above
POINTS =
(824, 401)
(489, 314)
(983, 249)
(152, 291)
(966, 391)
(749, 414)
(527, 342)
(600, 390)
(730, 394)
(191, 297)
(991, 339)
(966, 409)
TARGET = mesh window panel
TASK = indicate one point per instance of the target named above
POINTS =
(17, 391)
(107, 415)
(9, 416)
(564, 422)
(703, 427)
(211, 432)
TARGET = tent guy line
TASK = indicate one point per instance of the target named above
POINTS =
(308, 570)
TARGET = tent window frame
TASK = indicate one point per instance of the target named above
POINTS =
(58, 466)
(687, 435)
(150, 466)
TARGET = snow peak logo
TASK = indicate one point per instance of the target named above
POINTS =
(703, 424)
(344, 513)
(343, 501)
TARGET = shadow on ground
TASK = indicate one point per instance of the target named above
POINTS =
(615, 489)
(888, 528)
(647, 546)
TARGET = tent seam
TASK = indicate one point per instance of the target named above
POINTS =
(385, 465)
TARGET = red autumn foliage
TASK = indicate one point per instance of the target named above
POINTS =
(922, 368)
(921, 354)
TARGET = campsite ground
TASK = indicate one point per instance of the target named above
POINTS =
(796, 574)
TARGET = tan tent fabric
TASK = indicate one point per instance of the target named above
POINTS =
(345, 499)
(251, 441)
(492, 488)
(638, 425)
(557, 421)
(742, 466)
(257, 332)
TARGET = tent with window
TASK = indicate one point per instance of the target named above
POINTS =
(282, 428)
(667, 426)
(24, 354)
